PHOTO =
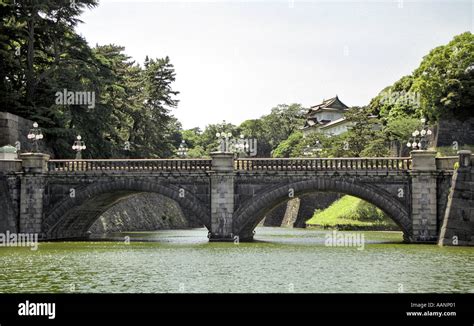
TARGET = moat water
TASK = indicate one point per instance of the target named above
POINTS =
(281, 260)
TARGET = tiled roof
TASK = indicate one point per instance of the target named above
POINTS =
(332, 103)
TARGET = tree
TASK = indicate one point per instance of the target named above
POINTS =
(445, 79)
(441, 87)
(283, 121)
(362, 131)
(152, 124)
(192, 136)
(398, 131)
(286, 147)
(256, 128)
(209, 141)
(41, 36)
(41, 55)
(377, 147)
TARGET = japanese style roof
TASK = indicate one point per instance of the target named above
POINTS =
(332, 104)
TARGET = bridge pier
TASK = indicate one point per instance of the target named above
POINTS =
(33, 183)
(424, 196)
(222, 196)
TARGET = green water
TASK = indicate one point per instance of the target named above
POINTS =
(283, 260)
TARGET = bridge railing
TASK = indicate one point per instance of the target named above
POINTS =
(324, 164)
(129, 165)
(10, 165)
(446, 162)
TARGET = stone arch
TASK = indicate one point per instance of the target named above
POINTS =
(247, 217)
(72, 217)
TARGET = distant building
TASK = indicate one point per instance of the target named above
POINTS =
(327, 117)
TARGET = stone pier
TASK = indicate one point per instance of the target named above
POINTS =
(424, 196)
(222, 197)
(33, 183)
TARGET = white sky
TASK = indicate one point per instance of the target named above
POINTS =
(236, 60)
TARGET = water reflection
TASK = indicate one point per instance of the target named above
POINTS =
(281, 260)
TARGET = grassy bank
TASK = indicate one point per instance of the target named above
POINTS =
(351, 213)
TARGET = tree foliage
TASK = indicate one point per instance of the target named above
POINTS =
(269, 131)
(441, 87)
(41, 55)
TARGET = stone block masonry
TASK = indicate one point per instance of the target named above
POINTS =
(458, 224)
(9, 188)
(31, 204)
(222, 197)
(452, 130)
(14, 128)
(143, 212)
(295, 212)
(424, 204)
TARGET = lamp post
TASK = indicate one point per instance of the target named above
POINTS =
(223, 138)
(35, 135)
(419, 137)
(79, 146)
(183, 149)
(242, 146)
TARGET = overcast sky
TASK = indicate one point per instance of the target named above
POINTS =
(236, 60)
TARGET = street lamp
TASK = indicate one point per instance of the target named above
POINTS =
(79, 146)
(35, 135)
(183, 149)
(242, 146)
(419, 137)
(224, 137)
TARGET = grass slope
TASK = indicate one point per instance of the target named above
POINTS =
(351, 213)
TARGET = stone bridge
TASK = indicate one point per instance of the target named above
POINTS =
(61, 199)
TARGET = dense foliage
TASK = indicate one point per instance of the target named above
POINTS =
(41, 55)
(269, 131)
(441, 87)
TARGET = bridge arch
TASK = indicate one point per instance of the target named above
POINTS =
(72, 217)
(247, 217)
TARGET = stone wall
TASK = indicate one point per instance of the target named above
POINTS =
(14, 128)
(275, 216)
(291, 213)
(458, 224)
(142, 212)
(452, 130)
(31, 203)
(9, 195)
(424, 207)
(295, 212)
(444, 187)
